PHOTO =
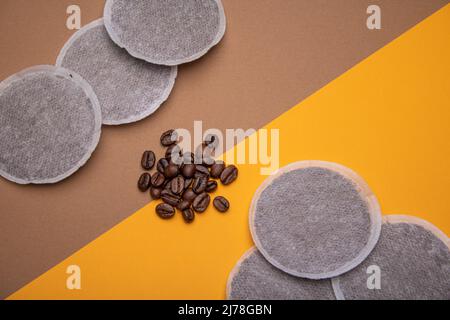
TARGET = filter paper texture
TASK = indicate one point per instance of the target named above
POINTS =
(411, 262)
(254, 278)
(128, 89)
(169, 32)
(50, 123)
(315, 219)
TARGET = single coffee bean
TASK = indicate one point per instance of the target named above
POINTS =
(170, 198)
(162, 164)
(177, 185)
(199, 184)
(158, 179)
(148, 160)
(201, 171)
(155, 193)
(187, 183)
(174, 153)
(221, 204)
(217, 169)
(188, 215)
(188, 170)
(201, 202)
(211, 186)
(171, 171)
(165, 211)
(167, 185)
(168, 138)
(189, 195)
(229, 174)
(144, 182)
(183, 205)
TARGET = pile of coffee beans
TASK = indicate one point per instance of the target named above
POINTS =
(184, 181)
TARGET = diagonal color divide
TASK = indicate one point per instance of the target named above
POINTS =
(274, 54)
(387, 119)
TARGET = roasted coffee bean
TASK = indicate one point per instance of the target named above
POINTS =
(183, 205)
(221, 204)
(169, 138)
(174, 153)
(148, 160)
(201, 171)
(155, 193)
(165, 192)
(165, 211)
(229, 174)
(201, 202)
(158, 179)
(187, 183)
(188, 215)
(144, 182)
(170, 198)
(199, 184)
(188, 170)
(177, 185)
(163, 163)
(189, 195)
(211, 186)
(217, 169)
(171, 171)
(167, 185)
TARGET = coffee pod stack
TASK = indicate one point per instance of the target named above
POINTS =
(116, 70)
(319, 234)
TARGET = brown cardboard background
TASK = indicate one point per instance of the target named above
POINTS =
(274, 54)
